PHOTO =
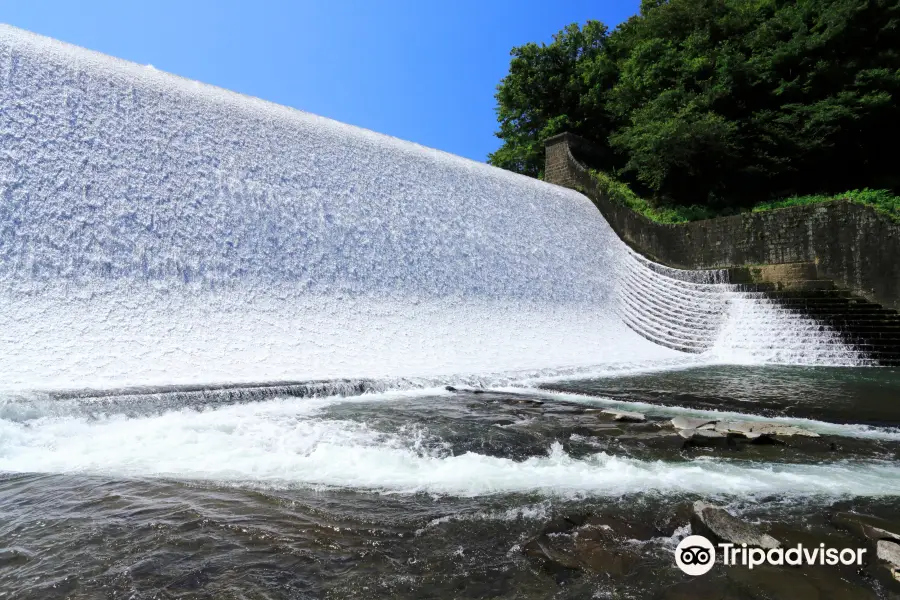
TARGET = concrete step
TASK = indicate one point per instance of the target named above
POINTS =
(771, 293)
(848, 311)
(842, 322)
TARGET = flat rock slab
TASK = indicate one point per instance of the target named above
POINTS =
(690, 422)
(593, 543)
(867, 527)
(704, 437)
(717, 524)
(702, 434)
(780, 430)
(889, 552)
(743, 427)
(748, 429)
(624, 415)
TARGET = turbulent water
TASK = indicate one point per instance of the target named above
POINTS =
(226, 328)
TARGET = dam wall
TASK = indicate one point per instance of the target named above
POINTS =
(851, 244)
(157, 233)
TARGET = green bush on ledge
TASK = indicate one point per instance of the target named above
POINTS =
(619, 192)
(881, 200)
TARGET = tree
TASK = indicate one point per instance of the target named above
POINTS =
(719, 102)
(543, 95)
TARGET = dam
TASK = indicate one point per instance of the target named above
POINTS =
(157, 231)
(248, 351)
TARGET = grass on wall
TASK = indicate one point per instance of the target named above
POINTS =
(619, 192)
(882, 201)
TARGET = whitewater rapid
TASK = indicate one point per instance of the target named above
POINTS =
(288, 443)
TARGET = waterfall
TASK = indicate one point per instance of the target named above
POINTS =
(157, 231)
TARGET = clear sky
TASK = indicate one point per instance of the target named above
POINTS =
(421, 70)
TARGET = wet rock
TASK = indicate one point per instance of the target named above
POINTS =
(594, 543)
(597, 557)
(709, 434)
(704, 437)
(889, 552)
(621, 529)
(450, 388)
(690, 423)
(780, 430)
(543, 547)
(624, 415)
(704, 587)
(866, 527)
(563, 524)
(660, 440)
(756, 429)
(717, 524)
(808, 583)
(737, 427)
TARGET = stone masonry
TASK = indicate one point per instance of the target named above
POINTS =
(851, 244)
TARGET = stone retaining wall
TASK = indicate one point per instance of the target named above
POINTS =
(849, 243)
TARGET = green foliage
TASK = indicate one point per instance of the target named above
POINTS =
(542, 96)
(718, 102)
(618, 191)
(881, 200)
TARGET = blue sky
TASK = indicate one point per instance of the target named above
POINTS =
(421, 70)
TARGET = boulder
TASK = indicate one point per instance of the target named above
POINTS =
(866, 527)
(718, 525)
(690, 423)
(595, 543)
(624, 415)
(737, 427)
(704, 437)
(806, 583)
(889, 552)
(543, 547)
(757, 429)
(619, 528)
(780, 429)
(597, 557)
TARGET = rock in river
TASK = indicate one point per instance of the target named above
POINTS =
(624, 415)
(596, 543)
(704, 437)
(717, 524)
(691, 423)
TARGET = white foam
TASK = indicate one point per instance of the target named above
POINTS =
(157, 231)
(289, 443)
(822, 427)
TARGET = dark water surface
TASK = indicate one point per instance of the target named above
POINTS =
(444, 494)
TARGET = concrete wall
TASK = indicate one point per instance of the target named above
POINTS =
(851, 244)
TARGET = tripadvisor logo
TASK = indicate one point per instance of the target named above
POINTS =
(695, 555)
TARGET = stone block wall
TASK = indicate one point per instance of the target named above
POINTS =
(849, 243)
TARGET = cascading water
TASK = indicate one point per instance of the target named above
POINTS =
(155, 231)
(700, 312)
(179, 264)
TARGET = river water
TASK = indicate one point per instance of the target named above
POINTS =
(433, 493)
(227, 333)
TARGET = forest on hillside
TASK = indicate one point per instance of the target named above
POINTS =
(718, 103)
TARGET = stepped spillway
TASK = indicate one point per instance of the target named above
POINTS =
(156, 231)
